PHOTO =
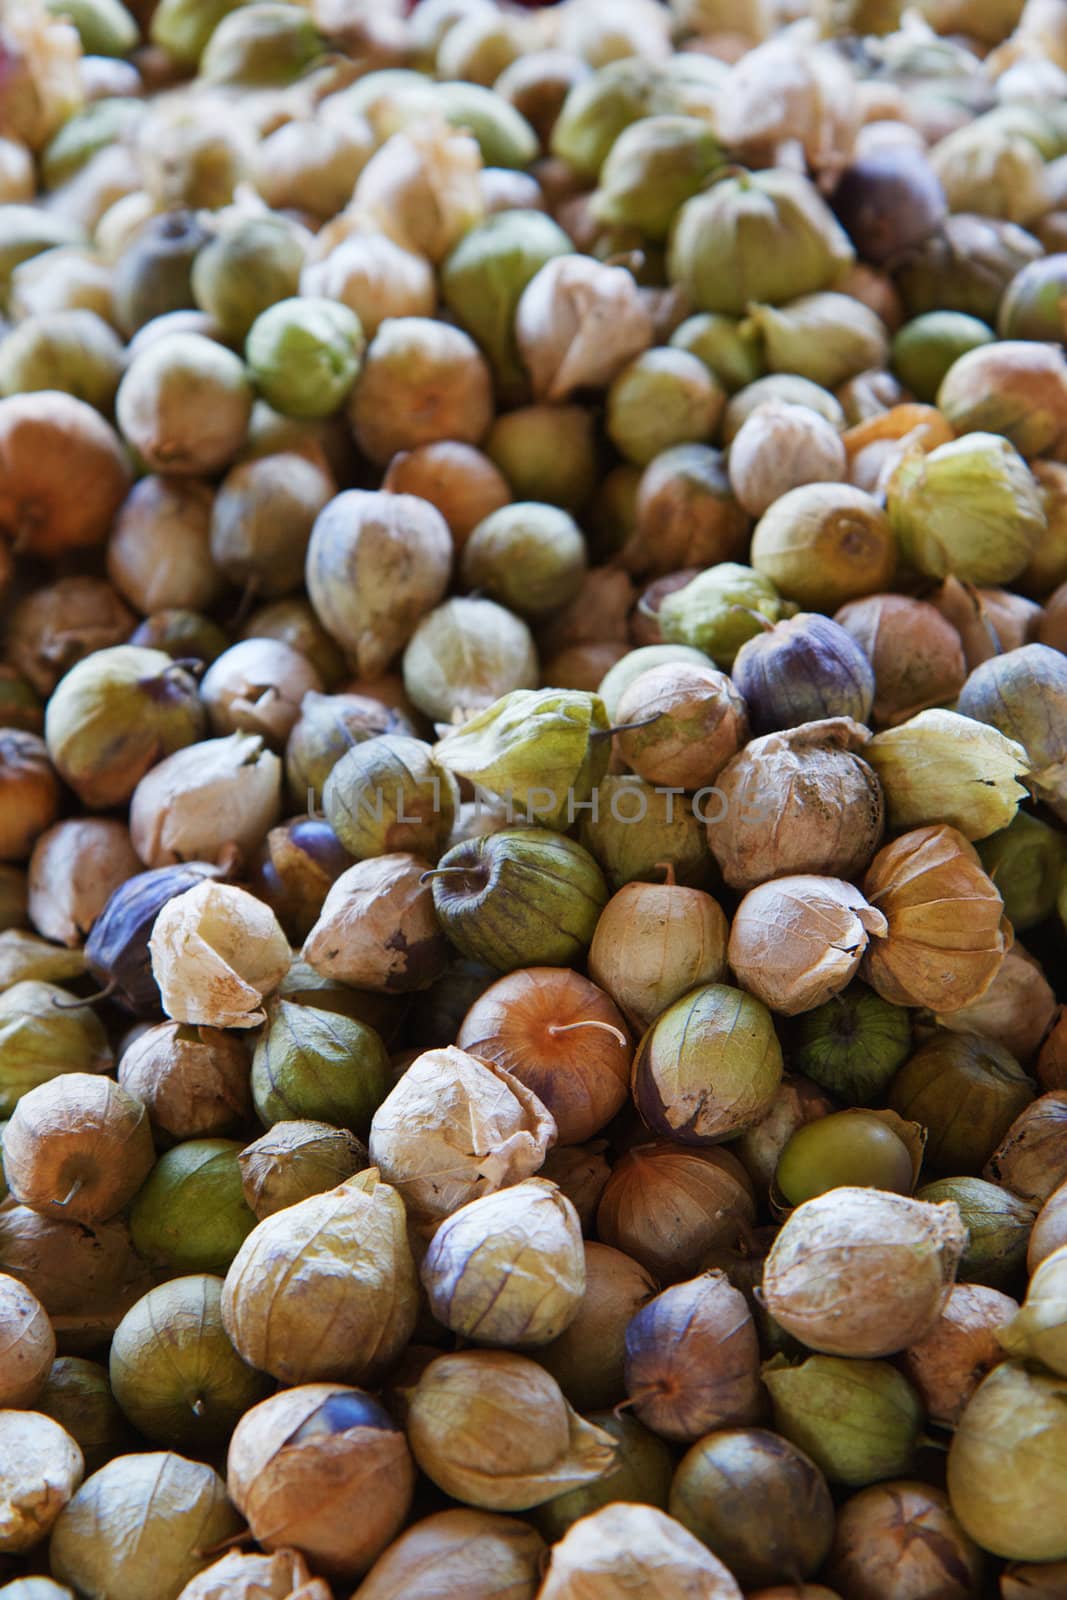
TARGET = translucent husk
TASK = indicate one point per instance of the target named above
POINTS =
(372, 276)
(942, 767)
(460, 1550)
(338, 1262)
(718, 611)
(692, 1359)
(885, 1267)
(947, 1364)
(947, 932)
(40, 1468)
(694, 723)
(471, 1270)
(53, 628)
(216, 953)
(778, 448)
(74, 868)
(422, 381)
(389, 795)
(493, 1429)
(140, 1527)
(323, 1468)
(998, 1224)
(965, 1090)
(377, 928)
(631, 1549)
(455, 1128)
(27, 1344)
(241, 1576)
(202, 799)
(1007, 1468)
(193, 1081)
(653, 943)
(905, 1535)
(577, 324)
(85, 1278)
(78, 1147)
(1039, 1331)
(296, 1160)
(44, 88)
(1031, 1159)
(799, 940)
(668, 1206)
(859, 1421)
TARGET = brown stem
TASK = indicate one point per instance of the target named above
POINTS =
(591, 1022)
(667, 868)
(757, 616)
(72, 1193)
(89, 1000)
(443, 872)
(625, 727)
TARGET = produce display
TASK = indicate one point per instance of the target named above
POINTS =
(533, 800)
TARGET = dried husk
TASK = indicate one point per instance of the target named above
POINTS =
(192, 1081)
(799, 940)
(325, 1289)
(217, 952)
(117, 949)
(241, 1576)
(74, 869)
(1049, 1230)
(859, 1421)
(577, 324)
(1016, 1010)
(493, 1429)
(709, 1066)
(562, 1037)
(1031, 1159)
(78, 1147)
(800, 801)
(256, 686)
(27, 1344)
(65, 473)
(588, 1359)
(86, 1278)
(40, 1468)
(323, 1468)
(43, 85)
(949, 1362)
(655, 942)
(633, 1549)
(941, 767)
(508, 1268)
(581, 1172)
(667, 1206)
(698, 722)
(459, 480)
(966, 1091)
(947, 931)
(686, 514)
(41, 1037)
(861, 1272)
(455, 1128)
(757, 1501)
(422, 188)
(474, 1553)
(204, 798)
(692, 1360)
(376, 564)
(377, 928)
(1039, 1581)
(173, 1512)
(916, 653)
(797, 1102)
(422, 381)
(904, 1537)
(1039, 1331)
(464, 655)
(779, 447)
(62, 623)
(374, 277)
(159, 552)
(296, 1160)
(1007, 1467)
(998, 1224)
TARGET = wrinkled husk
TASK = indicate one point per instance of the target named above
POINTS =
(339, 1263)
(632, 1549)
(241, 1576)
(1031, 1159)
(885, 1265)
(577, 325)
(494, 1430)
(461, 1551)
(902, 1536)
(377, 929)
(655, 942)
(1039, 1331)
(668, 1206)
(692, 1360)
(799, 940)
(204, 798)
(216, 952)
(40, 1468)
(941, 767)
(947, 1364)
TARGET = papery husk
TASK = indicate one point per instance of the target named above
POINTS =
(493, 1429)
(24, 958)
(947, 1364)
(1049, 1232)
(885, 1265)
(216, 952)
(455, 1128)
(577, 324)
(193, 1081)
(917, 655)
(1038, 1332)
(28, 1342)
(859, 1421)
(941, 767)
(43, 1036)
(78, 1147)
(204, 798)
(370, 274)
(627, 1549)
(799, 940)
(825, 337)
(581, 1172)
(40, 1468)
(508, 1268)
(800, 801)
(1046, 1580)
(588, 1359)
(653, 943)
(668, 1205)
(903, 1536)
(969, 611)
(797, 1102)
(338, 1263)
(947, 931)
(117, 949)
(377, 929)
(241, 1575)
(474, 1553)
(687, 514)
(422, 381)
(692, 1360)
(43, 85)
(376, 564)
(421, 188)
(786, 90)
(74, 1270)
(1016, 1010)
(73, 870)
(1007, 1466)
(1031, 1159)
(256, 686)
(296, 1160)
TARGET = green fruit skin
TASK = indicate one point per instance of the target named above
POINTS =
(846, 1148)
(924, 348)
(318, 1066)
(859, 1421)
(527, 897)
(190, 1213)
(853, 1044)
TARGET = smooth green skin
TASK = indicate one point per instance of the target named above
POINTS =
(1024, 860)
(730, 348)
(246, 269)
(173, 1370)
(924, 348)
(846, 1148)
(105, 27)
(998, 1227)
(304, 356)
(190, 1212)
(852, 1045)
(316, 1065)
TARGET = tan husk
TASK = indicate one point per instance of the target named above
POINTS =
(455, 1128)
(624, 1550)
(216, 953)
(1016, 1010)
(667, 1206)
(40, 1468)
(949, 1362)
(457, 1552)
(1049, 1230)
(73, 870)
(27, 1344)
(1031, 1159)
(1039, 1331)
(377, 928)
(577, 324)
(203, 798)
(238, 1575)
(861, 1272)
(78, 1147)
(493, 1429)
(655, 942)
(799, 940)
